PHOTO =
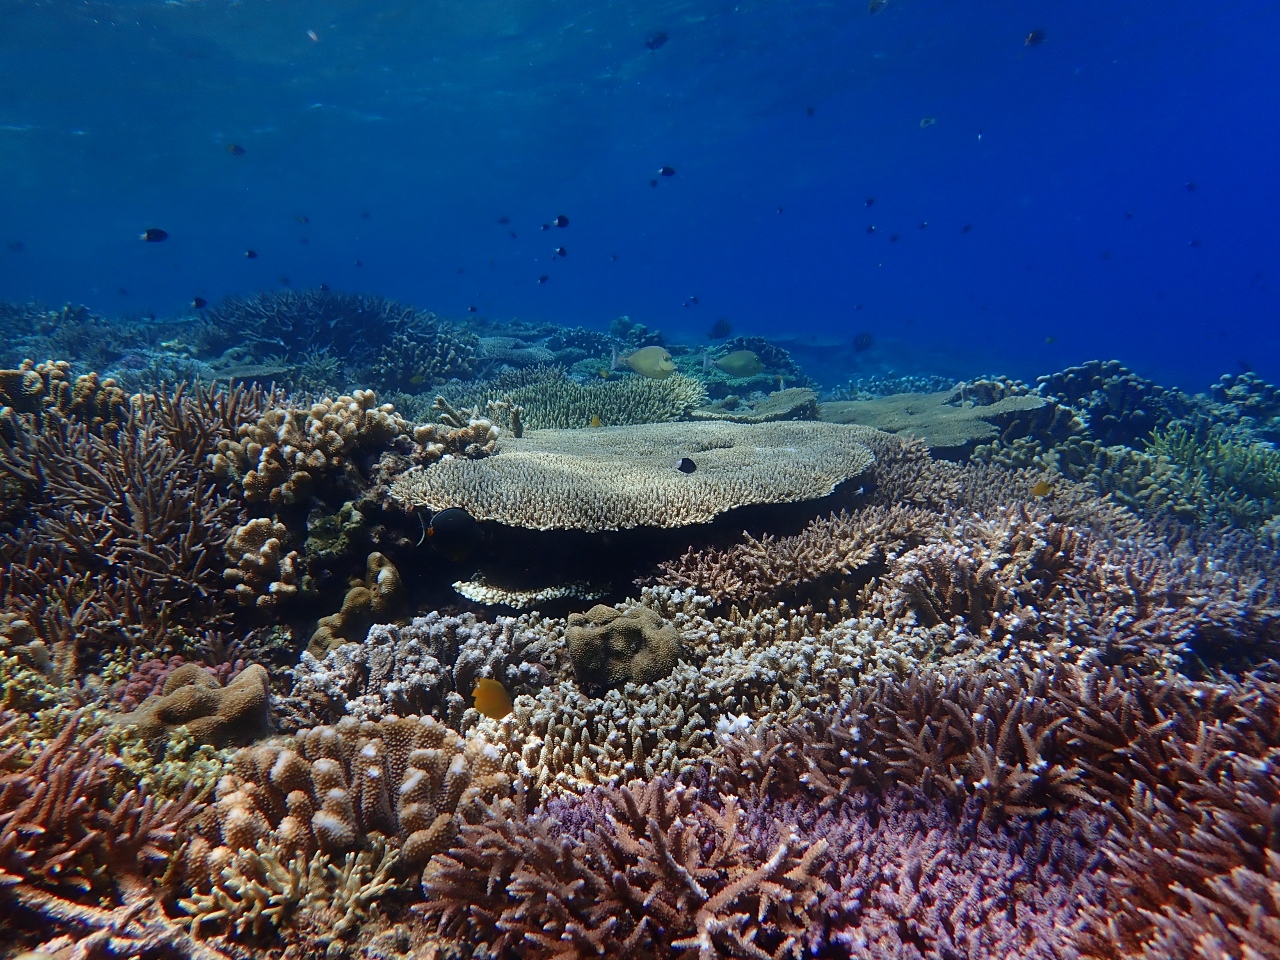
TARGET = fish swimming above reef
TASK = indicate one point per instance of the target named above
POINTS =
(561, 221)
(652, 362)
(720, 330)
(741, 363)
(491, 698)
(657, 40)
(686, 465)
(154, 235)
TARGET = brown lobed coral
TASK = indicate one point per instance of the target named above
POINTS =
(610, 648)
(193, 698)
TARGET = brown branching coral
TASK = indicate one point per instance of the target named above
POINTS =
(125, 516)
(656, 871)
(74, 842)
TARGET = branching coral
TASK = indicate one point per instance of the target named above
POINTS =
(123, 531)
(641, 869)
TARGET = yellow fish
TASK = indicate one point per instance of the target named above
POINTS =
(596, 421)
(741, 363)
(492, 698)
(417, 379)
(653, 362)
(1042, 488)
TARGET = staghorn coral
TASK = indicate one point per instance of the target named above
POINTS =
(423, 358)
(428, 667)
(644, 869)
(193, 698)
(120, 538)
(619, 478)
(549, 400)
(67, 833)
(610, 648)
(375, 595)
(846, 548)
(263, 573)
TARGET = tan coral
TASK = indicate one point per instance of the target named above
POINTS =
(376, 594)
(331, 789)
(624, 477)
(49, 388)
(214, 714)
(610, 647)
(264, 574)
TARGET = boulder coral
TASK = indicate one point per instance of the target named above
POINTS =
(610, 648)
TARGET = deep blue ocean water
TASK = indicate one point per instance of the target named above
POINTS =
(1119, 180)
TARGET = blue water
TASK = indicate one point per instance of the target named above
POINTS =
(404, 131)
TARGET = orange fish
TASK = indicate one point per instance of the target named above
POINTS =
(492, 698)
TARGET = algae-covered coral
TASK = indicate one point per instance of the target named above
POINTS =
(785, 688)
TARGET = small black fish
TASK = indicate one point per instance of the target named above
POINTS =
(199, 303)
(720, 330)
(871, 228)
(966, 228)
(685, 465)
(14, 246)
(924, 224)
(543, 279)
(1193, 243)
(504, 220)
(359, 263)
(122, 291)
(364, 214)
(863, 342)
(511, 234)
(694, 299)
(251, 254)
(779, 209)
(869, 201)
(235, 149)
(324, 288)
(472, 309)
(1034, 38)
(893, 238)
(613, 258)
(302, 218)
(154, 235)
(546, 226)
(561, 221)
(667, 171)
(808, 111)
(284, 281)
(653, 183)
(657, 40)
(1191, 186)
(303, 240)
(1128, 214)
(561, 252)
(454, 534)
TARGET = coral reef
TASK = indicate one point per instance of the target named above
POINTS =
(951, 422)
(419, 360)
(1116, 406)
(797, 403)
(428, 668)
(642, 869)
(263, 573)
(366, 599)
(192, 697)
(618, 478)
(610, 648)
(549, 400)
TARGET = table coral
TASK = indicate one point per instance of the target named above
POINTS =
(619, 478)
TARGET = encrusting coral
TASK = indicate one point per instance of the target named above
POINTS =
(193, 698)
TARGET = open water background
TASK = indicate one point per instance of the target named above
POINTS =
(437, 118)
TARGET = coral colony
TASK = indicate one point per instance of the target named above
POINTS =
(331, 628)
